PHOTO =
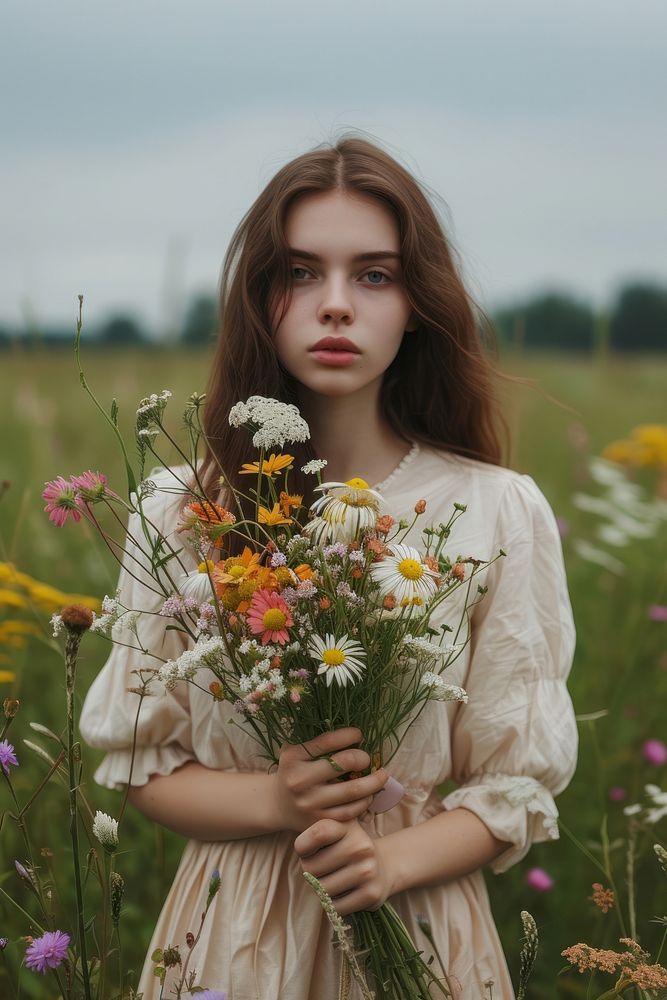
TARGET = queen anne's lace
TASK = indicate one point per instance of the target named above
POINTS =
(273, 422)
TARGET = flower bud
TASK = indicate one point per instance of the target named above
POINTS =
(77, 618)
(10, 707)
(420, 507)
(106, 830)
(117, 883)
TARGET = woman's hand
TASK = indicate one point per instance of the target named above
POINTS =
(350, 864)
(306, 785)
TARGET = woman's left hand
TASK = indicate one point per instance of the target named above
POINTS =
(349, 863)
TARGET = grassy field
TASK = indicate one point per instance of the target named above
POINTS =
(569, 410)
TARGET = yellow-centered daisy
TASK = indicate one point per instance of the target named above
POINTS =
(343, 511)
(403, 574)
(341, 659)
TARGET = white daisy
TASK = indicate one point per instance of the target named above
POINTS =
(343, 511)
(198, 584)
(340, 659)
(403, 574)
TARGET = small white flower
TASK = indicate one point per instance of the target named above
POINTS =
(57, 625)
(314, 466)
(340, 659)
(440, 691)
(106, 830)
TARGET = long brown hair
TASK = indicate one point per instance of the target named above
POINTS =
(440, 389)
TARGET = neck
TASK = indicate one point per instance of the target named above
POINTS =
(353, 435)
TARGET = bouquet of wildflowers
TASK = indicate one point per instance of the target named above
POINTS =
(318, 619)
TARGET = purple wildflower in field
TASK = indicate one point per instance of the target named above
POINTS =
(7, 756)
(658, 612)
(3, 943)
(655, 752)
(540, 880)
(617, 794)
(47, 952)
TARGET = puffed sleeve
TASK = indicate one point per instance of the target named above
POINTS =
(164, 731)
(514, 744)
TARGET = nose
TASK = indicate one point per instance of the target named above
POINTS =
(336, 303)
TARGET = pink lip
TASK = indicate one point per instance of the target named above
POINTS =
(337, 344)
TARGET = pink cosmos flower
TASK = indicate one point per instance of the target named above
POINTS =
(540, 880)
(269, 616)
(47, 952)
(658, 612)
(655, 752)
(62, 501)
(617, 794)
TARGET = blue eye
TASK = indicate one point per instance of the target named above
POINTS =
(382, 275)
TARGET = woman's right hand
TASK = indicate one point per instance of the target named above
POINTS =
(306, 783)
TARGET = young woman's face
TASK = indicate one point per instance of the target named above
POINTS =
(348, 315)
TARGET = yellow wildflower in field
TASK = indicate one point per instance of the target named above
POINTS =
(647, 446)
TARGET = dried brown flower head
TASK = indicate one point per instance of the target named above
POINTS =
(420, 507)
(604, 898)
(77, 618)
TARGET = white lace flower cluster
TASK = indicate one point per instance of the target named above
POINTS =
(440, 691)
(419, 645)
(273, 422)
(314, 466)
(149, 412)
(205, 653)
(262, 682)
(112, 612)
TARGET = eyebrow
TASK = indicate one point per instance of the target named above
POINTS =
(368, 255)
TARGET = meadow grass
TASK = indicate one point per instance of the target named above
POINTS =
(575, 407)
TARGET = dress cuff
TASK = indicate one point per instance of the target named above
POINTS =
(515, 808)
(114, 770)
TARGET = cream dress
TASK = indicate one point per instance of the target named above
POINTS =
(509, 750)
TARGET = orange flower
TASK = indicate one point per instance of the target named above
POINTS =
(273, 516)
(432, 563)
(357, 573)
(458, 571)
(325, 603)
(384, 524)
(304, 571)
(420, 507)
(236, 568)
(270, 466)
(204, 513)
(217, 690)
(287, 502)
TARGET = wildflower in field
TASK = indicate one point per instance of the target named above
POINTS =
(106, 830)
(3, 943)
(270, 616)
(269, 467)
(340, 659)
(77, 618)
(658, 612)
(617, 794)
(62, 501)
(91, 487)
(7, 756)
(22, 871)
(404, 574)
(343, 511)
(540, 880)
(603, 898)
(655, 752)
(314, 466)
(274, 423)
(47, 952)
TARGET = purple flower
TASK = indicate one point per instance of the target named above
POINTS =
(658, 612)
(655, 752)
(22, 871)
(538, 879)
(210, 995)
(7, 756)
(617, 794)
(47, 951)
(278, 559)
(3, 943)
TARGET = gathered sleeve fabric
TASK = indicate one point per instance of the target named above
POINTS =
(109, 712)
(514, 744)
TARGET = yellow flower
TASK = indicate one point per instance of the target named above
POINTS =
(270, 465)
(7, 676)
(287, 501)
(273, 516)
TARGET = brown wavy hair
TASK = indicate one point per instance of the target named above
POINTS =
(440, 389)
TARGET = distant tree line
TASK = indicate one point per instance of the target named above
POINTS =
(637, 321)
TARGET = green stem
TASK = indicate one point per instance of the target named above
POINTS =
(71, 650)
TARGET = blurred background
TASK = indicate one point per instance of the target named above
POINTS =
(135, 137)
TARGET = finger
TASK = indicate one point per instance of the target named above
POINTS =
(321, 834)
(353, 810)
(338, 793)
(332, 765)
(345, 880)
(336, 739)
(353, 902)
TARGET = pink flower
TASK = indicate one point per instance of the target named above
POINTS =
(540, 880)
(7, 756)
(655, 752)
(269, 615)
(658, 612)
(62, 501)
(90, 486)
(47, 952)
(617, 794)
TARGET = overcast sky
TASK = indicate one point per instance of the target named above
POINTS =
(134, 136)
